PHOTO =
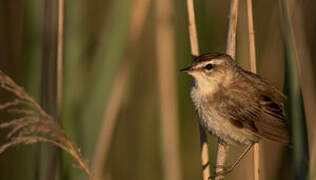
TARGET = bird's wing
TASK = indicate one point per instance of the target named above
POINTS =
(272, 120)
(239, 112)
(261, 114)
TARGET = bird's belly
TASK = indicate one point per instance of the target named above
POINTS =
(216, 124)
(225, 130)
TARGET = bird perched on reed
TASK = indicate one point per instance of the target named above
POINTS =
(237, 106)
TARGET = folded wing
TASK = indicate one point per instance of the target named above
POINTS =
(258, 107)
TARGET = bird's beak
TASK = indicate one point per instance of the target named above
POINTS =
(187, 69)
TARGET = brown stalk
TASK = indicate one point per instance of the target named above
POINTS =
(222, 148)
(251, 33)
(60, 45)
(167, 90)
(232, 29)
(192, 29)
(195, 52)
(252, 55)
(46, 89)
(54, 158)
(113, 105)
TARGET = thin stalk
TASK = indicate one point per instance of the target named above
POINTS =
(60, 45)
(252, 54)
(113, 105)
(195, 52)
(251, 33)
(221, 157)
(47, 91)
(192, 29)
(54, 158)
(222, 148)
(232, 29)
(165, 44)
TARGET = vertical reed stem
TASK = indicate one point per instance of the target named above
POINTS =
(167, 89)
(192, 29)
(221, 156)
(55, 155)
(60, 45)
(232, 29)
(222, 147)
(195, 52)
(252, 55)
(251, 33)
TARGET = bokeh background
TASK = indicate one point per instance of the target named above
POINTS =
(137, 47)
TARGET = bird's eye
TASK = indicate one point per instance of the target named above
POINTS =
(208, 67)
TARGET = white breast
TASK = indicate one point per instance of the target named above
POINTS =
(215, 124)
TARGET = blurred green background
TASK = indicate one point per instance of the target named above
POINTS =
(97, 43)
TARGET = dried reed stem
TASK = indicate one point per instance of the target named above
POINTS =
(167, 90)
(48, 56)
(192, 29)
(54, 157)
(252, 55)
(232, 29)
(251, 33)
(256, 160)
(222, 148)
(221, 156)
(195, 52)
(60, 45)
(139, 15)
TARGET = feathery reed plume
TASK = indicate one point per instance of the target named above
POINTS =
(222, 147)
(33, 124)
(252, 53)
(195, 52)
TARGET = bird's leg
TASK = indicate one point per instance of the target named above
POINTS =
(230, 168)
(242, 155)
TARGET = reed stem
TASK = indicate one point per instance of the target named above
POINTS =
(252, 55)
(195, 52)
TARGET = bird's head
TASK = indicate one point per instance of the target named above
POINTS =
(210, 69)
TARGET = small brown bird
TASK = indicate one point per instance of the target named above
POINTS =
(236, 105)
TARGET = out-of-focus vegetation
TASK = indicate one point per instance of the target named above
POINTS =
(97, 42)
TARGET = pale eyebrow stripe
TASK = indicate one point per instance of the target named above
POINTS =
(213, 61)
